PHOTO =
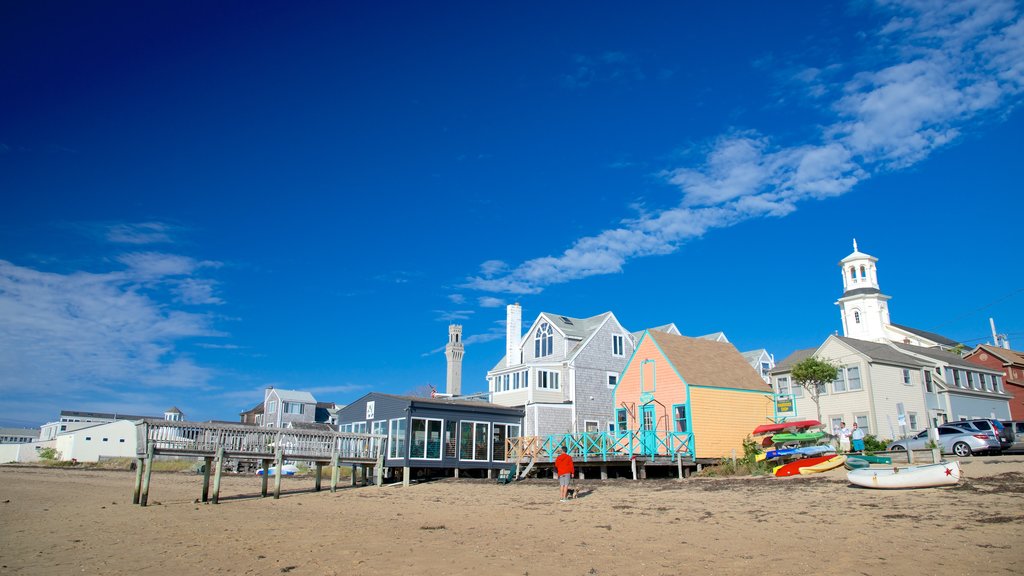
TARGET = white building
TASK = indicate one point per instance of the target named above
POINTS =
(110, 440)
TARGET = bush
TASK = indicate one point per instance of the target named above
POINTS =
(874, 444)
(745, 466)
(49, 454)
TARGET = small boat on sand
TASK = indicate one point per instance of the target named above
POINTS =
(793, 468)
(831, 463)
(781, 426)
(926, 476)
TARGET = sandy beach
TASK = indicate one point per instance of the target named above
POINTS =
(63, 521)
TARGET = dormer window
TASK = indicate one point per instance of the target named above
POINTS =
(544, 341)
(617, 346)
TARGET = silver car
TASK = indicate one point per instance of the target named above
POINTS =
(952, 440)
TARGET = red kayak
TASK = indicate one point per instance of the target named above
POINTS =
(796, 424)
(793, 468)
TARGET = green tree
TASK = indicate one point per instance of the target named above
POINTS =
(813, 374)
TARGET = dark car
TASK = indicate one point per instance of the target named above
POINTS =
(988, 426)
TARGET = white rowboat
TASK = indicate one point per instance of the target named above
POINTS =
(926, 476)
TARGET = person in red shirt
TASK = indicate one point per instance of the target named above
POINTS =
(564, 468)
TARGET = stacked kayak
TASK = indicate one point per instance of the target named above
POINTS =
(858, 461)
(832, 463)
(795, 446)
(926, 476)
(794, 467)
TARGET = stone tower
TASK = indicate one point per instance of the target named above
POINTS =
(862, 307)
(453, 351)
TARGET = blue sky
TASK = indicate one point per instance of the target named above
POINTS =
(204, 199)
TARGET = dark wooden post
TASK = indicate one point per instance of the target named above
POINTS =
(207, 464)
(219, 463)
(319, 473)
(353, 474)
(146, 476)
(265, 479)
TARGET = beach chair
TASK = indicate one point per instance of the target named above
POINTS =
(507, 475)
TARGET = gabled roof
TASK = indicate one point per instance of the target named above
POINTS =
(946, 357)
(669, 328)
(937, 338)
(794, 358)
(257, 409)
(295, 396)
(311, 426)
(173, 410)
(105, 415)
(708, 363)
(751, 355)
(881, 352)
(716, 336)
(1003, 354)
(447, 402)
(576, 328)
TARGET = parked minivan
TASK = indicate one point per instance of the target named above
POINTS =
(1016, 430)
(994, 428)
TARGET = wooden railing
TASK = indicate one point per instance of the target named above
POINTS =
(241, 441)
(602, 446)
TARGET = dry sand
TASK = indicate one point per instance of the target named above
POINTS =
(56, 521)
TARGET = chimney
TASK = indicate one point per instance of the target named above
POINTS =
(513, 334)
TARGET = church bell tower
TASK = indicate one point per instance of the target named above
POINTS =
(862, 307)
(453, 351)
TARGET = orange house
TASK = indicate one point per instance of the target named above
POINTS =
(678, 389)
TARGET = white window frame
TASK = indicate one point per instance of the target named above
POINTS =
(860, 379)
(839, 384)
(596, 423)
(907, 380)
(609, 376)
(857, 418)
(395, 440)
(487, 442)
(618, 345)
(271, 407)
(287, 407)
(426, 439)
(548, 380)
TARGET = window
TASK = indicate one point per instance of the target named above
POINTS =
(839, 384)
(765, 368)
(271, 406)
(345, 428)
(613, 379)
(955, 377)
(679, 417)
(396, 438)
(862, 422)
(515, 381)
(504, 382)
(999, 384)
(856, 316)
(501, 433)
(544, 341)
(782, 385)
(617, 346)
(863, 274)
(928, 385)
(822, 388)
(548, 380)
(971, 381)
(988, 381)
(359, 427)
(621, 420)
(906, 376)
(425, 443)
(853, 273)
(473, 441)
(591, 426)
(88, 438)
(121, 440)
(105, 439)
(853, 378)
(834, 423)
(526, 379)
(292, 408)
(912, 420)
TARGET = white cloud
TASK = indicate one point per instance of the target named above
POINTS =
(490, 302)
(81, 337)
(956, 64)
(197, 291)
(139, 233)
(453, 315)
(457, 298)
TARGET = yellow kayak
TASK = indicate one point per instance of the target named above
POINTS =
(824, 466)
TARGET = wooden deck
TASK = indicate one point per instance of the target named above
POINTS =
(216, 443)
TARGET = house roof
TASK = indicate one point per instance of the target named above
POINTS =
(573, 328)
(716, 336)
(860, 291)
(105, 415)
(881, 352)
(1003, 354)
(937, 338)
(173, 410)
(669, 328)
(451, 402)
(295, 396)
(787, 363)
(945, 357)
(311, 426)
(751, 355)
(33, 432)
(709, 363)
(257, 409)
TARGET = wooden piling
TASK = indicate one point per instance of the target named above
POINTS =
(334, 472)
(265, 479)
(604, 472)
(679, 467)
(278, 462)
(218, 463)
(139, 463)
(353, 473)
(147, 476)
(632, 464)
(207, 464)
(319, 474)
(406, 472)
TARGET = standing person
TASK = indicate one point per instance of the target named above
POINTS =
(844, 437)
(565, 468)
(858, 438)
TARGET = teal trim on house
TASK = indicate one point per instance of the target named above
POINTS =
(765, 392)
(686, 413)
(654, 377)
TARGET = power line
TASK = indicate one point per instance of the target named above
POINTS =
(989, 305)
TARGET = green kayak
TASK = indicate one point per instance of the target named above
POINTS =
(855, 462)
(872, 459)
(798, 437)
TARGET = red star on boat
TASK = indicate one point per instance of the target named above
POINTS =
(949, 471)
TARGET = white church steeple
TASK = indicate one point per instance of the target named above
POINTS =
(863, 307)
